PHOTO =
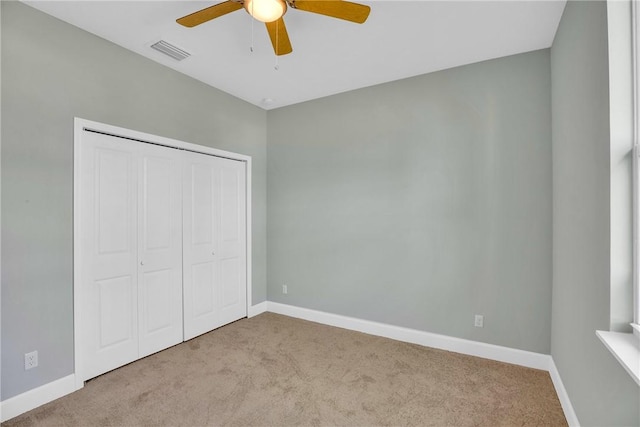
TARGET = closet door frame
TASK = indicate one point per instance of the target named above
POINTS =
(81, 126)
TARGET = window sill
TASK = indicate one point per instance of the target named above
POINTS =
(626, 349)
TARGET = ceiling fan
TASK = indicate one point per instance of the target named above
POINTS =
(271, 11)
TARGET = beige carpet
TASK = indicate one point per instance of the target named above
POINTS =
(273, 370)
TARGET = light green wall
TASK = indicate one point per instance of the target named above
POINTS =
(601, 392)
(420, 202)
(51, 72)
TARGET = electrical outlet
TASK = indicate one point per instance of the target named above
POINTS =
(284, 289)
(30, 360)
(479, 321)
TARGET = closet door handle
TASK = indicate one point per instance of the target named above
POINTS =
(141, 263)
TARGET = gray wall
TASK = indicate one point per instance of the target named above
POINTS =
(601, 392)
(420, 202)
(52, 72)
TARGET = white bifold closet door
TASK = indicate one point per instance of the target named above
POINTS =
(214, 243)
(162, 238)
(131, 242)
(159, 249)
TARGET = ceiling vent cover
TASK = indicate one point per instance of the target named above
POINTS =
(170, 50)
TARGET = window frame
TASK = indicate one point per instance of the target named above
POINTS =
(635, 16)
(624, 62)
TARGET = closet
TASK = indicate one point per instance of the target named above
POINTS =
(162, 244)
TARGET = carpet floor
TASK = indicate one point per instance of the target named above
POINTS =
(273, 370)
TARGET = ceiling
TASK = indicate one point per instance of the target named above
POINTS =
(400, 39)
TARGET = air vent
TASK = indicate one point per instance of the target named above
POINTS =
(170, 50)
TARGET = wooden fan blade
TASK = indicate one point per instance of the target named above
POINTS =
(279, 37)
(209, 13)
(346, 10)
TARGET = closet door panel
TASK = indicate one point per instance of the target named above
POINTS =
(230, 280)
(200, 228)
(115, 296)
(107, 224)
(160, 248)
(232, 240)
(203, 297)
(201, 182)
(158, 297)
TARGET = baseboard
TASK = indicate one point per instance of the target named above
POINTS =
(254, 310)
(31, 399)
(567, 407)
(458, 345)
(414, 336)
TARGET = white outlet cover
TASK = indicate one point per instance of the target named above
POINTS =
(479, 321)
(30, 360)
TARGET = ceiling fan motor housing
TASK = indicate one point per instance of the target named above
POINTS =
(266, 10)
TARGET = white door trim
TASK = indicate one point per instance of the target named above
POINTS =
(81, 125)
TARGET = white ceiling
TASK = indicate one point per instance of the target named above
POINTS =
(400, 39)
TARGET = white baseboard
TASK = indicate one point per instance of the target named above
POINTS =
(567, 407)
(254, 310)
(31, 399)
(414, 336)
(458, 345)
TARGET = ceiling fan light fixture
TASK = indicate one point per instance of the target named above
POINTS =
(265, 10)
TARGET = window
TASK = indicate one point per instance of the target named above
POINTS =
(635, 19)
(636, 214)
(624, 82)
